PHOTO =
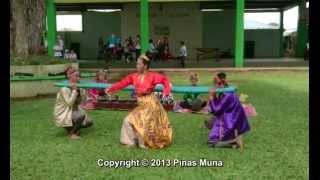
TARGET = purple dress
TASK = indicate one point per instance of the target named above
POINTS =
(229, 116)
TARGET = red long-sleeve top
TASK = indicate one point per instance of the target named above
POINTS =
(143, 85)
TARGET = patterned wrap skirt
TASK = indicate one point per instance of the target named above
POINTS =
(147, 125)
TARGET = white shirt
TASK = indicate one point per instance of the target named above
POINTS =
(138, 46)
(183, 51)
(61, 43)
(57, 51)
(66, 55)
(151, 47)
(65, 101)
(72, 56)
(57, 48)
(111, 45)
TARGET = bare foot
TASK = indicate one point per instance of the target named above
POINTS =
(239, 142)
(128, 146)
(74, 137)
(235, 146)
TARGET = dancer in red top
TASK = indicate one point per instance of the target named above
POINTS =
(147, 125)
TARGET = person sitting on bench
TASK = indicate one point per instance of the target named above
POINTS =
(93, 94)
(191, 101)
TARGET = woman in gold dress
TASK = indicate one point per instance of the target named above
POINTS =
(147, 125)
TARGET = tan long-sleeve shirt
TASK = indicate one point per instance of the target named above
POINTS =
(66, 100)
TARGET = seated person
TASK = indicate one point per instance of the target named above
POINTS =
(191, 101)
(118, 51)
(73, 55)
(58, 51)
(128, 50)
(248, 107)
(167, 55)
(230, 121)
(66, 54)
(93, 94)
(160, 49)
(67, 112)
(152, 52)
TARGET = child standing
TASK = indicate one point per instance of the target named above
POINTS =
(182, 53)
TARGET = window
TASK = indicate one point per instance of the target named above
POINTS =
(290, 19)
(262, 20)
(69, 22)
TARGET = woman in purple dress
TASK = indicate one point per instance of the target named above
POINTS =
(230, 121)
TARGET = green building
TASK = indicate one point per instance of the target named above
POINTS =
(200, 23)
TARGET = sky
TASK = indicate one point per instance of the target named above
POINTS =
(290, 19)
(69, 21)
(263, 18)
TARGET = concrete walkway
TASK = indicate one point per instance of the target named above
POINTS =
(210, 69)
(208, 63)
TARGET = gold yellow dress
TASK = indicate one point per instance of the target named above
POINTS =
(148, 124)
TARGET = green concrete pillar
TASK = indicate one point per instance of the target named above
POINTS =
(302, 30)
(239, 36)
(144, 25)
(281, 34)
(51, 24)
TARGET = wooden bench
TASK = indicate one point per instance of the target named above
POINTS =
(217, 53)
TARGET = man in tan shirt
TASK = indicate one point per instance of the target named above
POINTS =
(67, 112)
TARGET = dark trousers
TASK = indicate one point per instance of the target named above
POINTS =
(306, 54)
(185, 105)
(182, 59)
(138, 52)
(128, 56)
(79, 120)
(196, 106)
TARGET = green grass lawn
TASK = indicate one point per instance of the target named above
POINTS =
(276, 148)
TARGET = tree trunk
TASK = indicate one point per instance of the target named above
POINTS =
(26, 26)
(11, 30)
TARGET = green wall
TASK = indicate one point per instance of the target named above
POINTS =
(218, 32)
(95, 24)
(267, 42)
(218, 29)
